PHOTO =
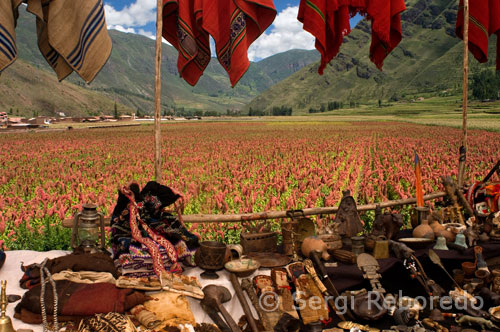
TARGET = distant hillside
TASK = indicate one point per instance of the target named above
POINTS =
(429, 59)
(28, 91)
(128, 78)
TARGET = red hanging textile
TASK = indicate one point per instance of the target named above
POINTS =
(183, 31)
(233, 24)
(484, 20)
(386, 28)
(328, 21)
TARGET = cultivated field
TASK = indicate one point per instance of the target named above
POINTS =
(222, 167)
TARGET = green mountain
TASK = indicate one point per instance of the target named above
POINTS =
(429, 59)
(128, 79)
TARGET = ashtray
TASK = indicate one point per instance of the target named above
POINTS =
(242, 267)
(416, 242)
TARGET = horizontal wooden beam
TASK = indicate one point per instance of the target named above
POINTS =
(227, 218)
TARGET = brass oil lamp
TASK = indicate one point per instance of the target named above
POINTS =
(5, 321)
(86, 230)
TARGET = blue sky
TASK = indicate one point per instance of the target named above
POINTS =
(138, 16)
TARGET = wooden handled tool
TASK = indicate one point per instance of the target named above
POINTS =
(246, 284)
(244, 304)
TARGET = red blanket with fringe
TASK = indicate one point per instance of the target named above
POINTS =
(484, 21)
(328, 21)
(233, 24)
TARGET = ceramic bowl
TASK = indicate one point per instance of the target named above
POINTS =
(469, 268)
(242, 267)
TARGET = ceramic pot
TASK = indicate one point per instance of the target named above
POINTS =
(448, 235)
(236, 251)
(314, 243)
(484, 275)
(440, 230)
(358, 244)
(212, 256)
(469, 268)
(436, 227)
(424, 231)
(455, 228)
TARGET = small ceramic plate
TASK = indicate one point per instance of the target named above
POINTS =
(270, 259)
(242, 266)
(416, 242)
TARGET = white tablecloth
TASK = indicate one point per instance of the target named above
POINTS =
(11, 271)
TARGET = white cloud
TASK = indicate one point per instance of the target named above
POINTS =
(285, 34)
(139, 13)
(121, 28)
(148, 34)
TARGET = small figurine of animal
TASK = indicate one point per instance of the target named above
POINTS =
(475, 320)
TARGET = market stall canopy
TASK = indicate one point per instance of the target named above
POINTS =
(485, 21)
(72, 35)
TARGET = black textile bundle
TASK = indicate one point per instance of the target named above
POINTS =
(154, 196)
(152, 199)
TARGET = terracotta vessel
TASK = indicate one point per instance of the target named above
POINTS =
(440, 230)
(313, 243)
(469, 268)
(424, 231)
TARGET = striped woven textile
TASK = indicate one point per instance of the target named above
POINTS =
(8, 49)
(484, 21)
(233, 24)
(72, 35)
(328, 21)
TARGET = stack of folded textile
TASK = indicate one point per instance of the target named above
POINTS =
(139, 263)
(85, 285)
(147, 239)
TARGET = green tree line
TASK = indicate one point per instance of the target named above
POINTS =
(486, 85)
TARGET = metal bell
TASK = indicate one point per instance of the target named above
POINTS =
(441, 243)
(460, 240)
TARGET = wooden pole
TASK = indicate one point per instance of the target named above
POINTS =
(463, 148)
(159, 30)
(223, 218)
(209, 218)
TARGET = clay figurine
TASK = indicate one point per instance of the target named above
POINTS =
(476, 320)
(386, 224)
(378, 227)
(348, 217)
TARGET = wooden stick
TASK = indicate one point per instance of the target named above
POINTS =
(223, 218)
(159, 30)
(465, 92)
(244, 304)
